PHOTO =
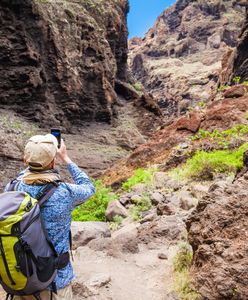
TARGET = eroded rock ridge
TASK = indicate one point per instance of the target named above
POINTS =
(59, 59)
(179, 58)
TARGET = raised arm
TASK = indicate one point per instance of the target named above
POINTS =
(82, 188)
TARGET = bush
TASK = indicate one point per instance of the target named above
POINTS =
(181, 265)
(140, 176)
(238, 130)
(236, 79)
(204, 165)
(183, 258)
(94, 208)
(138, 86)
(222, 88)
(117, 220)
(143, 204)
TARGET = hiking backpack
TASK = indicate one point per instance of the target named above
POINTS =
(28, 260)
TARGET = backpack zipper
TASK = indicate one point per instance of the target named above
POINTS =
(6, 263)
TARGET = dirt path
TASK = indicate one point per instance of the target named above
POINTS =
(141, 276)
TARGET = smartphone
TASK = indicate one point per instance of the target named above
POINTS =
(57, 134)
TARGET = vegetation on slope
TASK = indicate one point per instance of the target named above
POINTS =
(94, 209)
(205, 165)
(181, 265)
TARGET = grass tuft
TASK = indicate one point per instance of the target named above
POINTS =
(181, 265)
(143, 204)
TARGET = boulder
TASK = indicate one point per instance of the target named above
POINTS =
(219, 184)
(188, 202)
(160, 179)
(156, 198)
(115, 208)
(84, 232)
(162, 230)
(139, 188)
(125, 240)
(198, 190)
(149, 217)
(191, 123)
(136, 198)
(81, 290)
(124, 200)
(236, 91)
(165, 209)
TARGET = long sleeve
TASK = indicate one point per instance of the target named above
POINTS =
(82, 188)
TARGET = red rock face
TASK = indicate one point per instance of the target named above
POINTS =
(179, 59)
(218, 233)
(162, 146)
(59, 61)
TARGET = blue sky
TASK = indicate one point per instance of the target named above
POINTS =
(143, 14)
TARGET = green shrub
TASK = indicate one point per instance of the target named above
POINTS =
(222, 88)
(181, 265)
(225, 136)
(143, 204)
(117, 220)
(236, 79)
(94, 209)
(138, 86)
(183, 259)
(140, 176)
(201, 104)
(204, 165)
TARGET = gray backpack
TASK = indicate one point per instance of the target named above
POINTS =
(28, 260)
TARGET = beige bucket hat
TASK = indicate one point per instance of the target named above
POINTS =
(40, 151)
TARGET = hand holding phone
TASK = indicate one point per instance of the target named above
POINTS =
(62, 153)
(57, 134)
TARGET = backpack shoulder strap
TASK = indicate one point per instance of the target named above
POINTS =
(46, 192)
(13, 185)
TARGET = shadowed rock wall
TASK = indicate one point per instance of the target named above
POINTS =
(240, 67)
(59, 59)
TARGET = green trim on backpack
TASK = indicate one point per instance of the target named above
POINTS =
(6, 225)
(21, 280)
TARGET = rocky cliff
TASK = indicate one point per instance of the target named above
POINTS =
(218, 233)
(218, 227)
(240, 66)
(179, 58)
(59, 59)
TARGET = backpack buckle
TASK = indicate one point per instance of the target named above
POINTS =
(29, 206)
(24, 245)
(18, 268)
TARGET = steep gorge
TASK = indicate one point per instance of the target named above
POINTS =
(74, 85)
(64, 64)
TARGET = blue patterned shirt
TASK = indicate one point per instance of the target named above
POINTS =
(57, 210)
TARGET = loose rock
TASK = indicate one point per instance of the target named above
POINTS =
(115, 208)
(84, 232)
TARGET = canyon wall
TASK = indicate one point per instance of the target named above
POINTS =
(59, 59)
(179, 58)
